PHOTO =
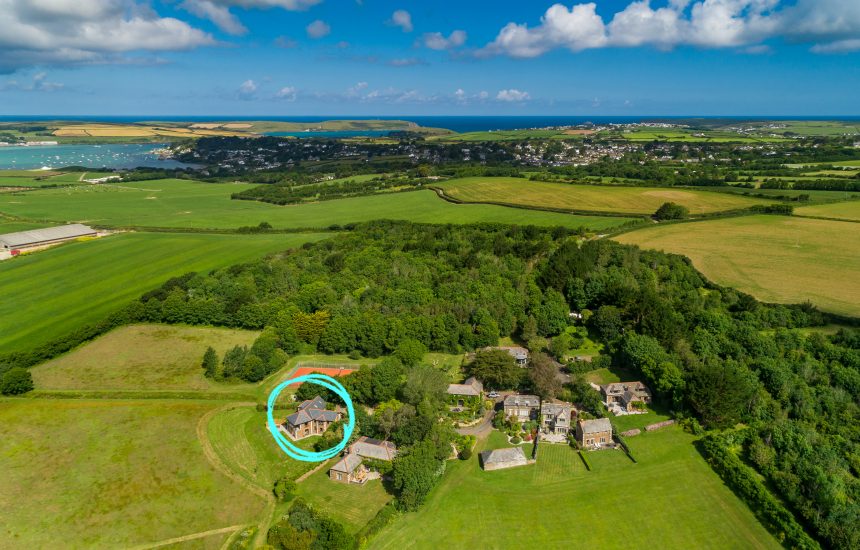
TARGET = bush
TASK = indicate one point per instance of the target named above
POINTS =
(16, 381)
(671, 211)
(466, 454)
(770, 511)
(516, 440)
(285, 489)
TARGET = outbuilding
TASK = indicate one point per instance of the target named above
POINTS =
(48, 235)
(499, 459)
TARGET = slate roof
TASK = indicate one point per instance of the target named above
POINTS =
(312, 409)
(347, 464)
(471, 387)
(503, 456)
(517, 400)
(595, 426)
(36, 236)
(368, 447)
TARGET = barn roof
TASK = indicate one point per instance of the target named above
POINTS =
(503, 456)
(36, 236)
(374, 448)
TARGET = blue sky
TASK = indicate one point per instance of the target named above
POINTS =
(342, 57)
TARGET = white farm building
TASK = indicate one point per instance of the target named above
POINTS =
(41, 237)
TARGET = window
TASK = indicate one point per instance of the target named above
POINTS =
(603, 440)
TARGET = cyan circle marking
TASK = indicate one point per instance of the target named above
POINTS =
(285, 444)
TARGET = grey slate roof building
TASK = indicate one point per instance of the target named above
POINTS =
(499, 459)
(311, 418)
(48, 235)
(367, 447)
(472, 387)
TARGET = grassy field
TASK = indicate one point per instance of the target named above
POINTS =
(242, 441)
(774, 258)
(143, 357)
(352, 505)
(52, 292)
(849, 210)
(110, 474)
(628, 200)
(670, 499)
(181, 203)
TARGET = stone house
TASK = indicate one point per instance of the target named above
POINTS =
(311, 418)
(625, 395)
(557, 415)
(469, 391)
(349, 469)
(594, 434)
(523, 407)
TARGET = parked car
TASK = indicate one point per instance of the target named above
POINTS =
(493, 394)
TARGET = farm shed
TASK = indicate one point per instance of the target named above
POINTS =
(49, 235)
(499, 459)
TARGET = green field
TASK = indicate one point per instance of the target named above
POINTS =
(849, 210)
(52, 292)
(590, 198)
(353, 505)
(507, 135)
(670, 499)
(774, 258)
(143, 358)
(111, 474)
(186, 204)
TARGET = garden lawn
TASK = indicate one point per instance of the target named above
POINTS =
(243, 442)
(49, 293)
(774, 258)
(590, 198)
(143, 357)
(671, 499)
(188, 204)
(110, 474)
(351, 504)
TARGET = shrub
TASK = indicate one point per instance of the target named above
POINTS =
(466, 454)
(516, 440)
(16, 381)
(671, 211)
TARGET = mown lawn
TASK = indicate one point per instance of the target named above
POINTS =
(351, 504)
(590, 198)
(774, 258)
(182, 203)
(50, 293)
(670, 499)
(110, 474)
(143, 357)
(243, 443)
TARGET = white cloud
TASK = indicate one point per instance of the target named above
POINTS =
(66, 32)
(832, 25)
(406, 62)
(577, 29)
(38, 83)
(318, 29)
(287, 93)
(512, 95)
(248, 89)
(218, 11)
(839, 46)
(402, 19)
(438, 41)
(285, 42)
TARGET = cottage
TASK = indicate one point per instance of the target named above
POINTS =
(625, 395)
(520, 354)
(499, 459)
(557, 417)
(41, 237)
(349, 469)
(367, 447)
(471, 389)
(593, 434)
(311, 418)
(523, 407)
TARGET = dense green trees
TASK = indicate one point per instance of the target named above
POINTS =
(210, 362)
(496, 368)
(16, 381)
(671, 211)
